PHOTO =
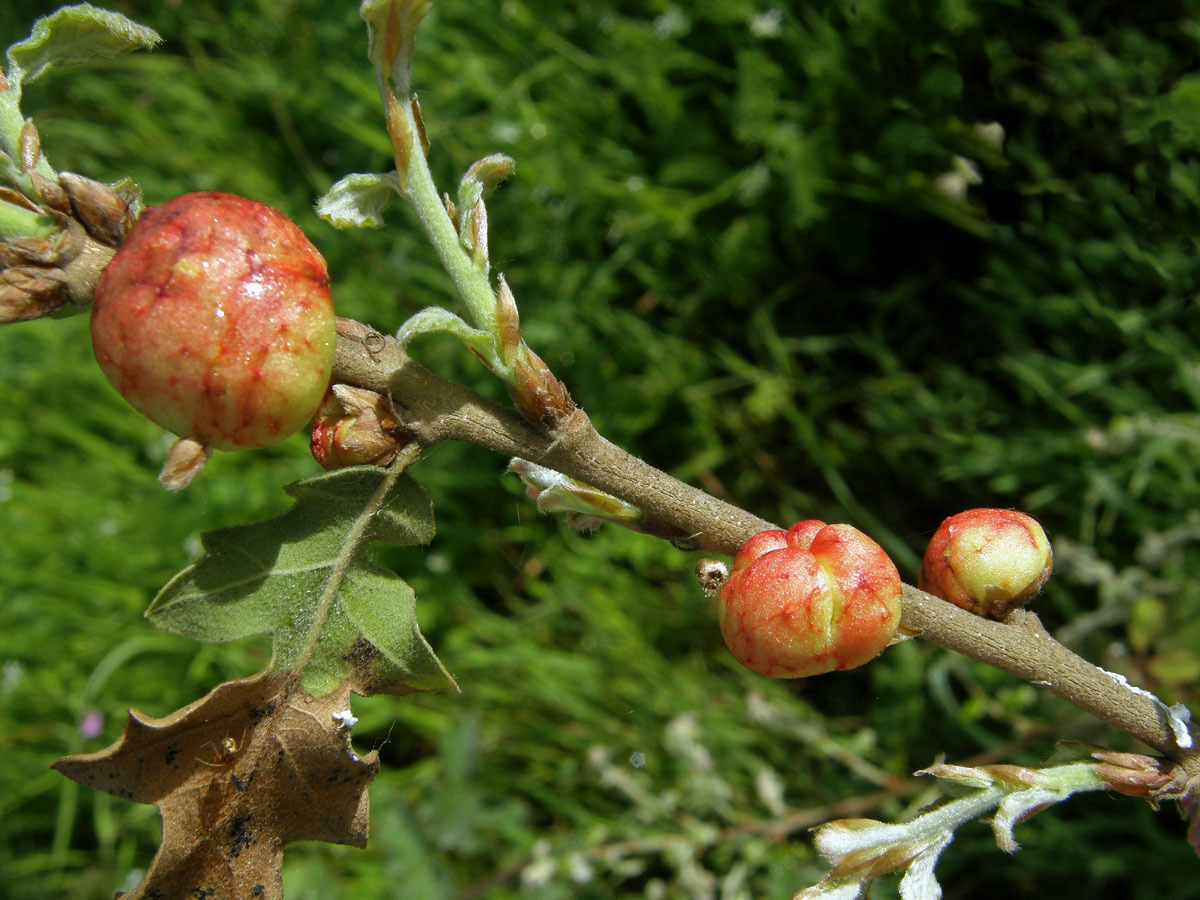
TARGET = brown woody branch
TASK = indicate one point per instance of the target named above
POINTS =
(435, 409)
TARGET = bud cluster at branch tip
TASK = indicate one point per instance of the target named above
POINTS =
(57, 230)
(53, 248)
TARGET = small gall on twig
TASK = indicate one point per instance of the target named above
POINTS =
(816, 598)
(988, 561)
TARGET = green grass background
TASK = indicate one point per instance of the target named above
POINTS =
(726, 234)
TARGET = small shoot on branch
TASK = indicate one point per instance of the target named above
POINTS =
(488, 322)
(860, 850)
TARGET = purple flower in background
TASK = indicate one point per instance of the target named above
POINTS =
(91, 724)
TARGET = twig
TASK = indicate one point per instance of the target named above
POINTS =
(435, 409)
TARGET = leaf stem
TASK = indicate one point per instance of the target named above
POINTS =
(470, 282)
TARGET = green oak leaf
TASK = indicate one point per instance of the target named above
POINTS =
(304, 576)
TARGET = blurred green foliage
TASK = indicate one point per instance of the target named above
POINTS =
(777, 250)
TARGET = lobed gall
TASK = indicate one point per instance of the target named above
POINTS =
(812, 599)
(987, 561)
(215, 320)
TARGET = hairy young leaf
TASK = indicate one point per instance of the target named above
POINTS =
(435, 318)
(358, 200)
(305, 577)
(483, 177)
(586, 507)
(74, 35)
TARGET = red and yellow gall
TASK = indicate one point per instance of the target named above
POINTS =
(987, 561)
(815, 598)
(215, 320)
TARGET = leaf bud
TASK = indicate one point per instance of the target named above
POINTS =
(586, 507)
(537, 393)
(107, 211)
(354, 427)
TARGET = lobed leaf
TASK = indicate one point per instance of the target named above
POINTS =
(304, 577)
(255, 765)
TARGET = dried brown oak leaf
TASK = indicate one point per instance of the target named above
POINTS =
(237, 775)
